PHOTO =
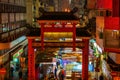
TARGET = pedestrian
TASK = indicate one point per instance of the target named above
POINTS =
(11, 72)
(101, 77)
(62, 74)
(95, 79)
(58, 74)
(51, 77)
(17, 67)
(80, 77)
(20, 75)
(55, 72)
(46, 77)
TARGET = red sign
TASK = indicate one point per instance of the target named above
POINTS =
(104, 4)
(2, 71)
(114, 73)
(112, 23)
(116, 8)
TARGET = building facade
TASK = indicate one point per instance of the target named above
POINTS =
(12, 33)
(107, 32)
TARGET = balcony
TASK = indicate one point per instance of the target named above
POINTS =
(13, 34)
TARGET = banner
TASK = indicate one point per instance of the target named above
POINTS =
(104, 4)
(112, 23)
(116, 8)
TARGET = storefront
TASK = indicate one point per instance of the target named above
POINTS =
(15, 62)
(73, 65)
(4, 63)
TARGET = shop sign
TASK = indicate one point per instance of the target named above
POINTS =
(17, 54)
(114, 73)
(116, 78)
(15, 42)
(5, 58)
(106, 4)
(3, 71)
(22, 59)
(0, 60)
(112, 23)
(20, 51)
(73, 58)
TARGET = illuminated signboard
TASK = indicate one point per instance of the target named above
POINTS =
(15, 42)
(0, 60)
(17, 54)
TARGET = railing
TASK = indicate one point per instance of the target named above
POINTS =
(58, 44)
(13, 34)
(11, 8)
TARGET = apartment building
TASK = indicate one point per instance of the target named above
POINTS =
(13, 42)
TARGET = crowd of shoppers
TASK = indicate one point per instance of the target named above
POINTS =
(58, 74)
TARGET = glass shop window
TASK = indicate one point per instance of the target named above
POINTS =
(5, 28)
(115, 34)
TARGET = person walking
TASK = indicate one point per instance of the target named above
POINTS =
(11, 72)
(94, 79)
(51, 77)
(46, 77)
(55, 72)
(101, 77)
(58, 74)
(20, 75)
(62, 74)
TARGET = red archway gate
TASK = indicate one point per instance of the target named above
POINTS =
(49, 25)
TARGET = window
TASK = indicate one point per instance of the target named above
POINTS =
(115, 34)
